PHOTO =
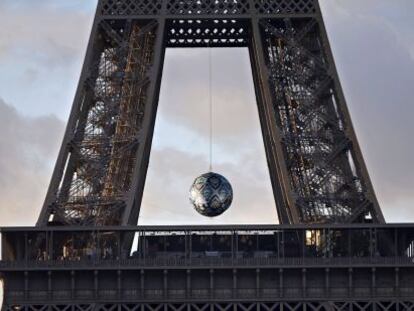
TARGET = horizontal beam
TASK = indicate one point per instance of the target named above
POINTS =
(228, 227)
(294, 294)
(262, 305)
(208, 263)
(206, 16)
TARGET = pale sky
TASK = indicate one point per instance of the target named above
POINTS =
(42, 45)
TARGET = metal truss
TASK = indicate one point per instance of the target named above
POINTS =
(207, 33)
(105, 132)
(207, 7)
(319, 155)
(285, 6)
(222, 7)
(382, 305)
(317, 170)
(316, 167)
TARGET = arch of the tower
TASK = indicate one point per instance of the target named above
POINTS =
(316, 168)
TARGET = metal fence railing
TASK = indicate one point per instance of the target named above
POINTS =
(212, 294)
(208, 261)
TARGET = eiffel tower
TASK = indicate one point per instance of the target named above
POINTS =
(332, 249)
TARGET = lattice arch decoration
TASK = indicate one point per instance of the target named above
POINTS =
(284, 6)
(205, 7)
(225, 7)
(315, 163)
(386, 305)
(131, 7)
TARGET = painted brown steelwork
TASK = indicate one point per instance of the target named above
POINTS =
(324, 173)
(277, 267)
(73, 260)
(317, 170)
(104, 141)
(363, 305)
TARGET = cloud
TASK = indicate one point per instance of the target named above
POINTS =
(171, 174)
(28, 149)
(43, 32)
(185, 101)
(42, 45)
(375, 62)
(395, 15)
(181, 140)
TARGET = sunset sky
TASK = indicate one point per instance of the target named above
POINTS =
(42, 46)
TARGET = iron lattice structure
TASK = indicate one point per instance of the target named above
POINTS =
(332, 250)
(316, 167)
(269, 267)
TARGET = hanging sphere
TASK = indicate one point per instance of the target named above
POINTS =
(211, 194)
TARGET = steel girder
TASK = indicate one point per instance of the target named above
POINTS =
(105, 135)
(324, 168)
(382, 305)
(316, 167)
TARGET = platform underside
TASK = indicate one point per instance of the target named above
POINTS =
(319, 267)
(380, 305)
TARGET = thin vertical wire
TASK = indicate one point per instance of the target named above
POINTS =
(210, 78)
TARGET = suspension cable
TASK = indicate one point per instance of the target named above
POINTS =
(210, 82)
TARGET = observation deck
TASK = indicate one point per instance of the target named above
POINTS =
(208, 263)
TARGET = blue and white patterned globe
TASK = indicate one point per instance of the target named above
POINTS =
(211, 194)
